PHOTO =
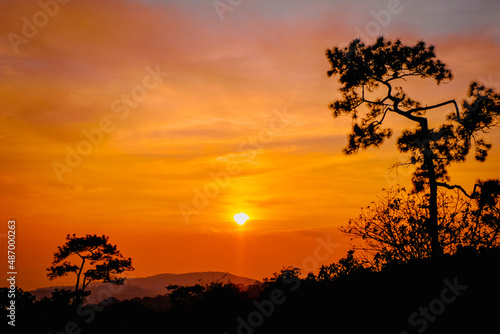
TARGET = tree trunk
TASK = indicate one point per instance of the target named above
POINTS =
(78, 298)
(433, 211)
(432, 223)
(79, 274)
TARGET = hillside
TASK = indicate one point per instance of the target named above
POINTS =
(150, 286)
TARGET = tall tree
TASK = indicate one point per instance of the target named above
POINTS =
(105, 261)
(369, 75)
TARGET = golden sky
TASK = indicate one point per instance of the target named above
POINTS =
(118, 116)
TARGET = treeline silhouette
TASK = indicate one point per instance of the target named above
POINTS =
(456, 293)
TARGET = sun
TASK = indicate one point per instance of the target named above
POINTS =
(241, 218)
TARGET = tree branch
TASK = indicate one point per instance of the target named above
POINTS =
(437, 106)
(84, 284)
(381, 102)
(396, 101)
(414, 74)
(451, 187)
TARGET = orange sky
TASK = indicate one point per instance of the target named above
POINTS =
(242, 100)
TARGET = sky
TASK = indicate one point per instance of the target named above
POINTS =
(154, 122)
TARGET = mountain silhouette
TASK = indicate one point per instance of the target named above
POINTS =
(150, 286)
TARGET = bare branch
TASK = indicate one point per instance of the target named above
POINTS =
(437, 106)
(451, 187)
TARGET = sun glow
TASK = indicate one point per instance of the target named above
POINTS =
(241, 218)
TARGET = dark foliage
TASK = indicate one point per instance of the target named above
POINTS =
(392, 230)
(345, 297)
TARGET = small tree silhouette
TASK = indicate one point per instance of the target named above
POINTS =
(285, 273)
(346, 267)
(185, 296)
(368, 75)
(106, 261)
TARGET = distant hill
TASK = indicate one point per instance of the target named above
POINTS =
(150, 286)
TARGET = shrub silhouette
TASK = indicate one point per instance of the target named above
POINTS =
(392, 228)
